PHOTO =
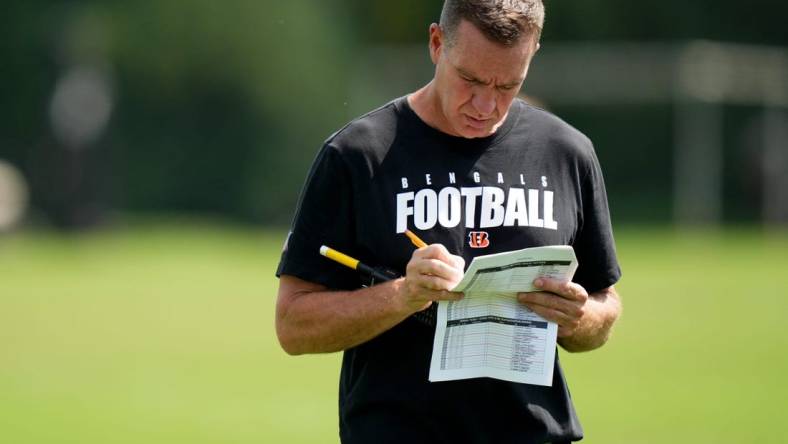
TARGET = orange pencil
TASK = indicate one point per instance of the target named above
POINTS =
(415, 239)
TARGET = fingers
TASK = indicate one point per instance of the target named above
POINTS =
(431, 272)
(439, 252)
(435, 260)
(425, 282)
(559, 317)
(567, 290)
(550, 301)
(566, 324)
(417, 296)
(559, 302)
(442, 276)
(459, 262)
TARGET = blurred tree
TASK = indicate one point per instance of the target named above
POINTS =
(26, 75)
(756, 21)
(405, 21)
(239, 85)
(216, 103)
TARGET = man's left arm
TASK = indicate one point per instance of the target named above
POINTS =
(584, 320)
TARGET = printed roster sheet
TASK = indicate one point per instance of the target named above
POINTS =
(489, 333)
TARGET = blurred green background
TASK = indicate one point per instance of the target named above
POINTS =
(164, 333)
(151, 154)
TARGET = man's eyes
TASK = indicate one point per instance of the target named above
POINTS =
(473, 81)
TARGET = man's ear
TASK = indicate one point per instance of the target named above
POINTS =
(436, 42)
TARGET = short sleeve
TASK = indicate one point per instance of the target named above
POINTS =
(324, 216)
(594, 245)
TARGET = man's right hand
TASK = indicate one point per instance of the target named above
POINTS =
(431, 272)
(310, 318)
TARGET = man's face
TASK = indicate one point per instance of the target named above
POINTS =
(476, 79)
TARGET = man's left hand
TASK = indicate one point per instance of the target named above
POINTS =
(561, 302)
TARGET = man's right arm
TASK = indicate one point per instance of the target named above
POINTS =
(313, 319)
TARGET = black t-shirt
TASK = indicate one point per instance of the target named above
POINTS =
(535, 181)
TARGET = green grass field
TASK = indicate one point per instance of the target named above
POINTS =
(164, 334)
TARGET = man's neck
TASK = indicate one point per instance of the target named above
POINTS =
(424, 102)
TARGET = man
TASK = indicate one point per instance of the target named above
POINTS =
(442, 161)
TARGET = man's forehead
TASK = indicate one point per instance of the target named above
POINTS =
(505, 67)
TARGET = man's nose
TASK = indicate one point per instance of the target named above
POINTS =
(484, 101)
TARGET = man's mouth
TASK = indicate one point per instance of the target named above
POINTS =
(476, 123)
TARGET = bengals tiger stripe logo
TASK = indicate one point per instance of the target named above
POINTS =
(478, 239)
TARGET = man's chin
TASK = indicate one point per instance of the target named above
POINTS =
(470, 132)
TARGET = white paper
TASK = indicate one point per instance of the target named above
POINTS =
(489, 333)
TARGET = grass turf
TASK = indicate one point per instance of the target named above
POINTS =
(164, 333)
